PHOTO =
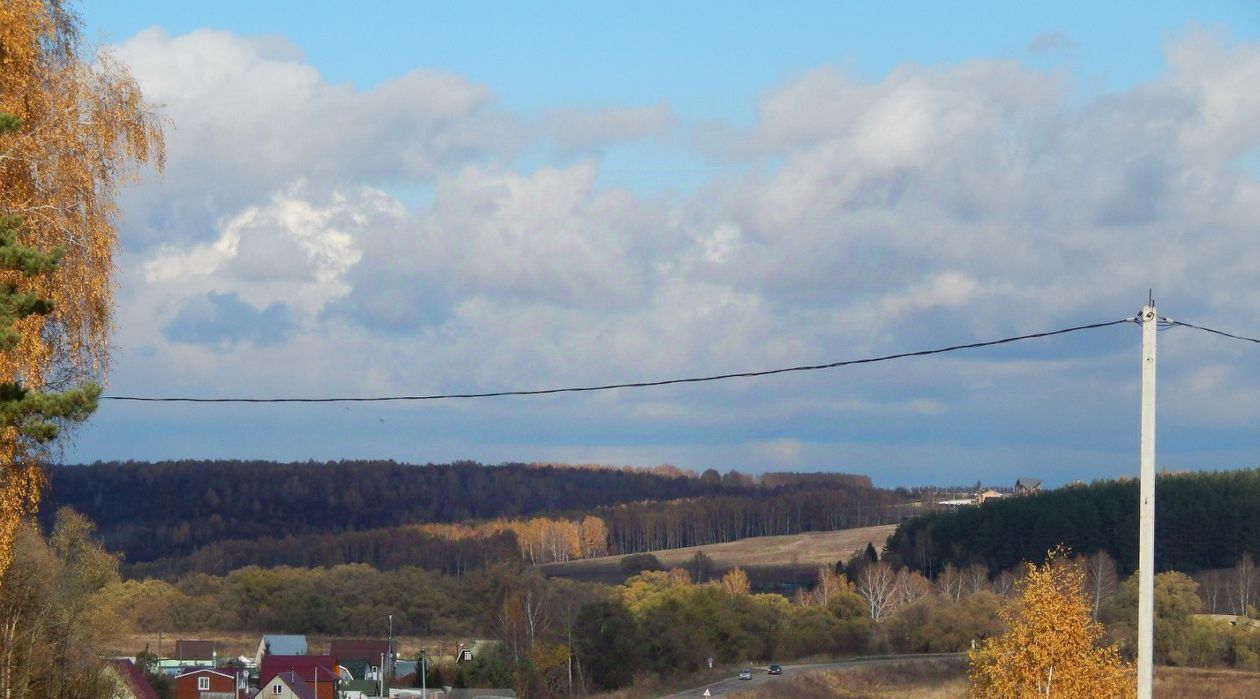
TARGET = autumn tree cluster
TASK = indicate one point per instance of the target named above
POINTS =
(545, 540)
(58, 610)
(556, 634)
(1051, 647)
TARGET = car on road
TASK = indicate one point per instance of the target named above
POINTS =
(745, 674)
(775, 670)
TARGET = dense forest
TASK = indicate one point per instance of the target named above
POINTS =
(1204, 521)
(213, 516)
(153, 510)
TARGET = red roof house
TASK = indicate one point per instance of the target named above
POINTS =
(374, 654)
(318, 671)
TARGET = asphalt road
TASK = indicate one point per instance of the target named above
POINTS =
(733, 685)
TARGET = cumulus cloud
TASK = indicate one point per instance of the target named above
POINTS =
(248, 114)
(291, 250)
(547, 237)
(854, 217)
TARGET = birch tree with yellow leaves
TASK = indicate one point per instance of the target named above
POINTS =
(74, 128)
(1052, 647)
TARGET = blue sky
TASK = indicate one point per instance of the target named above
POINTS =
(422, 197)
(706, 60)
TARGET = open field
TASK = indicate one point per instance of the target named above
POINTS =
(1193, 683)
(768, 560)
(945, 679)
(931, 679)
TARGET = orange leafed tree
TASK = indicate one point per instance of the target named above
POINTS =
(1052, 647)
(82, 127)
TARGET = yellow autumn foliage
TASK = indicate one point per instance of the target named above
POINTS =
(84, 129)
(735, 583)
(1052, 647)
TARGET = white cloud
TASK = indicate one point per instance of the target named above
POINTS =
(1218, 80)
(929, 207)
(248, 116)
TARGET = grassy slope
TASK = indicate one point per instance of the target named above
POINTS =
(768, 560)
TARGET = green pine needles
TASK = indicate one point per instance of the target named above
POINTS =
(35, 417)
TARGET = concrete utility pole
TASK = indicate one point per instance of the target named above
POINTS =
(1146, 510)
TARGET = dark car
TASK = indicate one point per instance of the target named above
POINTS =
(776, 670)
(745, 674)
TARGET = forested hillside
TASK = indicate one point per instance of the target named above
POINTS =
(1203, 520)
(152, 510)
(769, 512)
(233, 513)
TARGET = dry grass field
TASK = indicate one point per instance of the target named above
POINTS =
(1193, 683)
(930, 679)
(948, 680)
(768, 560)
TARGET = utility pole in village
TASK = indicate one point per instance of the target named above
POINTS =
(1146, 509)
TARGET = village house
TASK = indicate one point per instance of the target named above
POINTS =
(286, 685)
(1027, 486)
(320, 672)
(985, 495)
(366, 659)
(207, 683)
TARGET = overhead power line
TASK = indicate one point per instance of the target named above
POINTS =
(1169, 322)
(636, 384)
